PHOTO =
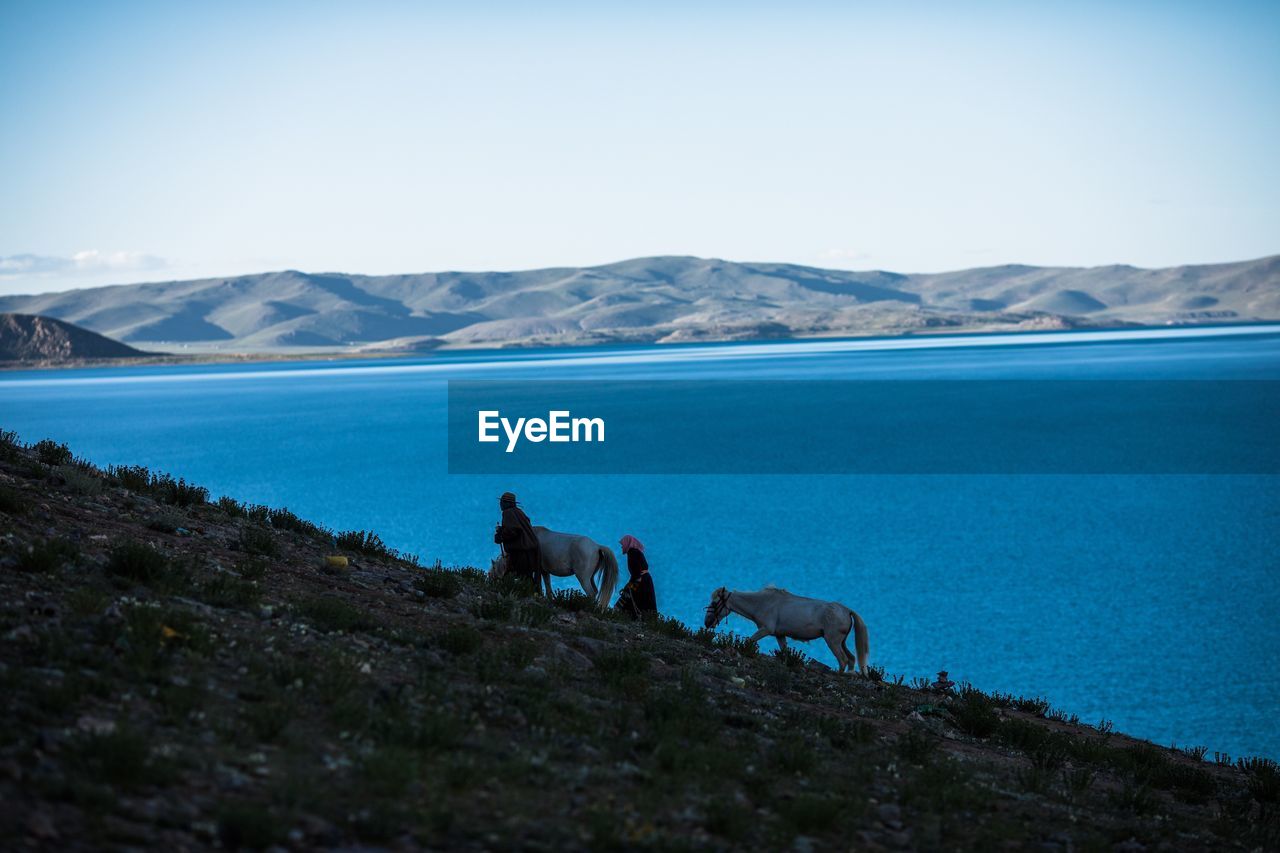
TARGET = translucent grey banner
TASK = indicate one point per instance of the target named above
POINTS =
(865, 427)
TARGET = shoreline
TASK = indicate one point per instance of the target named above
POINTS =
(172, 359)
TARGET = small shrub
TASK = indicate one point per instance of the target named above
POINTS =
(668, 627)
(572, 601)
(729, 819)
(875, 673)
(138, 562)
(178, 492)
(78, 481)
(249, 825)
(336, 675)
(258, 541)
(437, 583)
(364, 542)
(917, 746)
(87, 601)
(791, 658)
(120, 758)
(52, 453)
(333, 614)
(791, 753)
(231, 507)
(10, 446)
(45, 556)
(532, 613)
(1264, 779)
(1196, 752)
(809, 814)
(11, 501)
(1134, 798)
(166, 521)
(974, 713)
(252, 568)
(459, 639)
(497, 608)
(1035, 706)
(268, 719)
(135, 478)
(744, 646)
(226, 590)
(1076, 782)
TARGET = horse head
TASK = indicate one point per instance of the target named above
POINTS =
(718, 608)
(498, 567)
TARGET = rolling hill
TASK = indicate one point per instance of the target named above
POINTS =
(662, 299)
(27, 338)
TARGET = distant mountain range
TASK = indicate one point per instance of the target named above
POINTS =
(25, 338)
(661, 299)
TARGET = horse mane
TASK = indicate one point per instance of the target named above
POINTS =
(774, 588)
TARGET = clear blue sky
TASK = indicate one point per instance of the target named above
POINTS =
(143, 141)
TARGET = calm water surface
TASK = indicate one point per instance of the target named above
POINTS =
(1149, 601)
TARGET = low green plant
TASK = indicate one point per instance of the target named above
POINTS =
(917, 746)
(47, 555)
(459, 639)
(974, 713)
(137, 561)
(249, 825)
(258, 541)
(729, 819)
(572, 601)
(791, 753)
(231, 507)
(135, 478)
(364, 542)
(79, 481)
(12, 502)
(811, 814)
(334, 614)
(437, 583)
(52, 453)
(120, 757)
(791, 658)
(227, 590)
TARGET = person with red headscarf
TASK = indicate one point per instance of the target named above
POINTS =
(637, 598)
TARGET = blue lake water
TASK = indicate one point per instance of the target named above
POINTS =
(1149, 600)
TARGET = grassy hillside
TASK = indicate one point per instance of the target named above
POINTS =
(666, 299)
(182, 673)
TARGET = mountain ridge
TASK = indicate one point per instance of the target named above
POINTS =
(33, 338)
(656, 299)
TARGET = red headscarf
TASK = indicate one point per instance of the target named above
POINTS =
(628, 542)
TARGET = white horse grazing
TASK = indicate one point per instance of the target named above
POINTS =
(565, 554)
(780, 614)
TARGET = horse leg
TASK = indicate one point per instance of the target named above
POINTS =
(782, 642)
(586, 577)
(760, 635)
(837, 649)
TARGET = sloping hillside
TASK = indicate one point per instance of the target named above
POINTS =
(180, 674)
(650, 299)
(28, 338)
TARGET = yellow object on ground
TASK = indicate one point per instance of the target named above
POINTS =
(336, 562)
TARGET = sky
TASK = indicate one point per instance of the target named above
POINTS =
(157, 141)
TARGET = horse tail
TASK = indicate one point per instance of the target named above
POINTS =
(861, 642)
(608, 568)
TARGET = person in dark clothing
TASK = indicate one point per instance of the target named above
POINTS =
(515, 534)
(637, 597)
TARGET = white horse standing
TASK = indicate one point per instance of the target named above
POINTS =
(781, 614)
(566, 554)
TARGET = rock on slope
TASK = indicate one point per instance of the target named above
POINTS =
(650, 299)
(188, 675)
(26, 337)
